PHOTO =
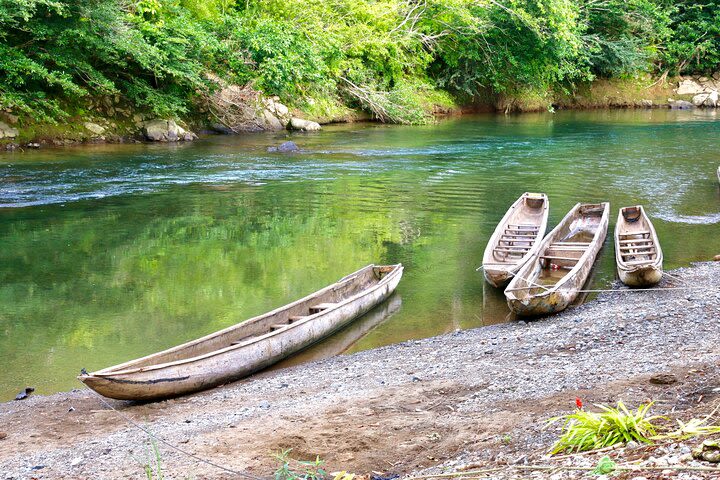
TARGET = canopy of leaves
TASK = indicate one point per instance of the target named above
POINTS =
(380, 55)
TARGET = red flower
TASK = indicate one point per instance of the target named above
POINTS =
(578, 402)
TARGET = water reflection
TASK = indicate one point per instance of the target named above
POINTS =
(112, 252)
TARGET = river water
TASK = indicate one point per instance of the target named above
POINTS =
(113, 252)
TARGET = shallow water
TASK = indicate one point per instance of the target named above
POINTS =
(112, 252)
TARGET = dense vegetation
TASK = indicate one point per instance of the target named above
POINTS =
(394, 58)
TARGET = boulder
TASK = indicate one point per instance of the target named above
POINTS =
(706, 99)
(303, 125)
(646, 103)
(159, 130)
(94, 128)
(680, 104)
(285, 147)
(689, 86)
(271, 121)
(6, 131)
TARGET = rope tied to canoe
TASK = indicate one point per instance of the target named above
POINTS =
(170, 445)
(614, 290)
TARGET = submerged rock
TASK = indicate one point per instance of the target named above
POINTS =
(285, 147)
(25, 393)
(303, 125)
(680, 104)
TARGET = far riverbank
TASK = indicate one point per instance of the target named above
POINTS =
(469, 398)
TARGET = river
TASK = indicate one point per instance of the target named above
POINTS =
(111, 252)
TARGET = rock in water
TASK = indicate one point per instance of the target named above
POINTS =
(159, 130)
(285, 147)
(303, 125)
(680, 104)
(25, 393)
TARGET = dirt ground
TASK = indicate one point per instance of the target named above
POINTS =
(475, 398)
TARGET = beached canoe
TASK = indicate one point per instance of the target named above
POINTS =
(552, 279)
(247, 347)
(516, 238)
(718, 174)
(638, 254)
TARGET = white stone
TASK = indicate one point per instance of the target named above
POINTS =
(304, 125)
(6, 131)
(94, 128)
(689, 87)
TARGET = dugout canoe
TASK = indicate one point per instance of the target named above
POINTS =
(552, 279)
(247, 347)
(516, 238)
(638, 254)
(718, 173)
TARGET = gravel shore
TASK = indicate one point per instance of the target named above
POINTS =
(469, 399)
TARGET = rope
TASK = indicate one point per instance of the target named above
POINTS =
(168, 444)
(612, 290)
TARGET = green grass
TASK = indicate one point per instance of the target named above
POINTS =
(584, 430)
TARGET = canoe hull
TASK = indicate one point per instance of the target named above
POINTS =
(637, 239)
(645, 276)
(233, 363)
(531, 209)
(560, 296)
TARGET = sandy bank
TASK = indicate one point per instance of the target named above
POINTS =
(471, 396)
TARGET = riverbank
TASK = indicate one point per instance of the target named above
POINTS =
(470, 398)
(239, 110)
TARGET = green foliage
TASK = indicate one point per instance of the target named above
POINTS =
(291, 469)
(153, 467)
(605, 466)
(58, 55)
(583, 430)
(694, 44)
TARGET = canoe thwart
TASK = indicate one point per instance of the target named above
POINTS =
(322, 306)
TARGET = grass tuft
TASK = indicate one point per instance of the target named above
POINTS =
(583, 430)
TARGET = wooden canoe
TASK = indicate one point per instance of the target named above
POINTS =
(638, 254)
(718, 174)
(552, 279)
(247, 347)
(516, 238)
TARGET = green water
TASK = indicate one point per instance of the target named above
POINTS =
(113, 252)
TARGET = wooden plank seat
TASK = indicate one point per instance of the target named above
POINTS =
(638, 241)
(523, 238)
(642, 232)
(295, 318)
(278, 326)
(524, 226)
(522, 233)
(639, 262)
(638, 249)
(568, 248)
(516, 249)
(553, 257)
(573, 243)
(321, 306)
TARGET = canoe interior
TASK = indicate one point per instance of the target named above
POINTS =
(562, 249)
(521, 228)
(254, 328)
(635, 239)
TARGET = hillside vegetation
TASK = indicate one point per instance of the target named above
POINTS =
(395, 59)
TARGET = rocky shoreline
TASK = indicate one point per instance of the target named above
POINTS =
(234, 109)
(474, 399)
